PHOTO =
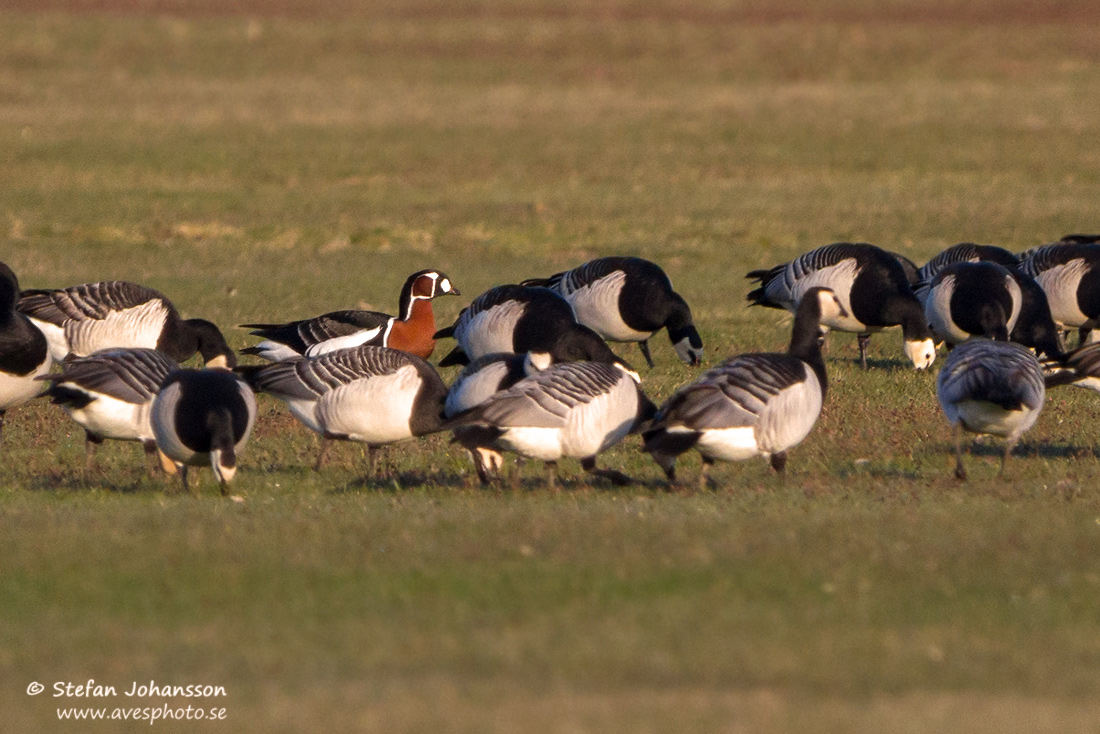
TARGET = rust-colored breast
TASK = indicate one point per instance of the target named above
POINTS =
(415, 335)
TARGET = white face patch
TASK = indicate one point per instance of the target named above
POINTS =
(536, 362)
(687, 353)
(220, 362)
(922, 353)
(445, 285)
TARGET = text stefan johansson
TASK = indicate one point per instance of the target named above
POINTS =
(91, 689)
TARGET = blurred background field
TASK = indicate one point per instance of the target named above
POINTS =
(263, 161)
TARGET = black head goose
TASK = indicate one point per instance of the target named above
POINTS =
(203, 417)
(24, 353)
(480, 380)
(410, 332)
(967, 252)
(989, 387)
(627, 299)
(751, 405)
(1069, 274)
(575, 409)
(374, 395)
(871, 286)
(517, 319)
(87, 318)
(968, 299)
(110, 394)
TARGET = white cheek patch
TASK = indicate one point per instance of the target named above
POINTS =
(445, 285)
(921, 353)
(687, 353)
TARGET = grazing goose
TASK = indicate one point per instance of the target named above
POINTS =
(960, 253)
(203, 417)
(24, 353)
(990, 387)
(110, 394)
(627, 299)
(515, 319)
(87, 318)
(1069, 274)
(752, 404)
(575, 409)
(374, 395)
(480, 380)
(968, 299)
(412, 332)
(871, 286)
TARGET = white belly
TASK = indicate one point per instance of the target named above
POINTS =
(375, 410)
(113, 418)
(981, 417)
(596, 305)
(729, 444)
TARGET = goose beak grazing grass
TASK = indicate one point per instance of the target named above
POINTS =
(751, 405)
(990, 387)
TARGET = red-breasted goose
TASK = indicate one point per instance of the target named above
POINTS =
(760, 404)
(413, 331)
(87, 318)
(871, 286)
(627, 299)
(203, 417)
(24, 352)
(110, 395)
(374, 395)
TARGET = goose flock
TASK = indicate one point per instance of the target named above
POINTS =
(539, 377)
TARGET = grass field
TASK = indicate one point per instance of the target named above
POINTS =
(269, 160)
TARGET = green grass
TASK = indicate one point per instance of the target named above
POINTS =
(277, 161)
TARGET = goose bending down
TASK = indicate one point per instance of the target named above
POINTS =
(411, 332)
(203, 417)
(989, 387)
(24, 353)
(1069, 274)
(110, 394)
(759, 404)
(575, 409)
(627, 299)
(480, 380)
(964, 252)
(515, 319)
(968, 299)
(871, 286)
(374, 395)
(87, 318)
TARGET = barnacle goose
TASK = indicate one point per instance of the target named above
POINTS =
(990, 387)
(203, 417)
(574, 409)
(87, 318)
(411, 332)
(374, 395)
(1069, 273)
(870, 284)
(759, 404)
(968, 299)
(963, 252)
(24, 353)
(479, 381)
(110, 394)
(517, 319)
(627, 299)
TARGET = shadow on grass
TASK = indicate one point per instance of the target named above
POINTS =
(66, 480)
(1029, 450)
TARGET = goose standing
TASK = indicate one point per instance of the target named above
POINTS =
(411, 332)
(87, 318)
(871, 286)
(751, 405)
(574, 409)
(203, 417)
(1069, 274)
(968, 299)
(110, 395)
(627, 299)
(515, 319)
(374, 395)
(24, 352)
(990, 387)
(480, 380)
